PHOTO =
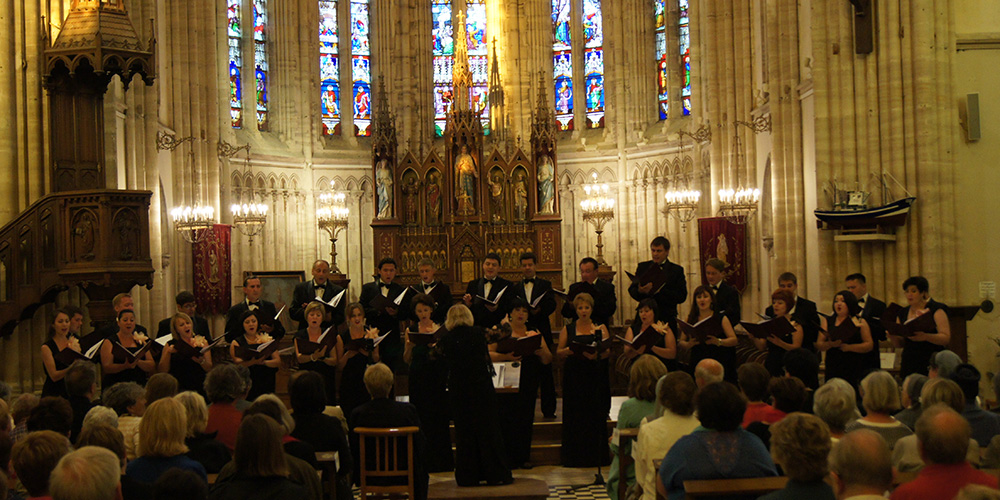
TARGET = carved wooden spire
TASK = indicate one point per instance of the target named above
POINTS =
(384, 122)
(498, 109)
(461, 75)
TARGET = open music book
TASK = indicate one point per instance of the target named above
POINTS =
(495, 300)
(775, 326)
(324, 340)
(520, 346)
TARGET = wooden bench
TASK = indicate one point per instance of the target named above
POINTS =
(748, 487)
(329, 462)
(520, 489)
(625, 436)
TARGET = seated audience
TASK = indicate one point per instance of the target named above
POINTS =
(111, 438)
(942, 363)
(89, 473)
(673, 417)
(720, 450)
(128, 400)
(802, 364)
(753, 379)
(20, 409)
(53, 413)
(708, 371)
(977, 492)
(800, 444)
(159, 386)
(177, 484)
(301, 457)
(241, 402)
(859, 466)
(81, 385)
(880, 399)
(34, 457)
(307, 395)
(984, 424)
(910, 399)
(383, 412)
(836, 404)
(223, 386)
(100, 415)
(6, 420)
(259, 469)
(643, 376)
(788, 394)
(161, 443)
(202, 447)
(906, 453)
(943, 437)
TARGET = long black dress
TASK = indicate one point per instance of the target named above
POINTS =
(189, 374)
(517, 411)
(775, 361)
(586, 404)
(850, 366)
(917, 354)
(429, 393)
(53, 387)
(261, 376)
(130, 375)
(479, 446)
(329, 373)
(353, 392)
(726, 356)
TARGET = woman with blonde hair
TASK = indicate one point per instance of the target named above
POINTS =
(324, 360)
(161, 443)
(202, 447)
(259, 469)
(353, 359)
(643, 377)
(800, 444)
(672, 419)
(187, 369)
(880, 399)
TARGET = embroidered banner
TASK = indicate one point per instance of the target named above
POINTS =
(213, 272)
(720, 239)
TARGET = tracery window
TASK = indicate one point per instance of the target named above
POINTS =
(562, 63)
(593, 62)
(443, 54)
(329, 67)
(260, 60)
(563, 78)
(663, 70)
(361, 67)
(235, 36)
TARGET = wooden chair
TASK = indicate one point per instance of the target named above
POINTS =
(625, 436)
(385, 450)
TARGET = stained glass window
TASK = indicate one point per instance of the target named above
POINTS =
(329, 67)
(684, 39)
(361, 68)
(562, 63)
(593, 62)
(444, 60)
(260, 60)
(235, 34)
(659, 12)
(475, 29)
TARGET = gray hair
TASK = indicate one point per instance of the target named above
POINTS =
(709, 371)
(286, 417)
(90, 473)
(223, 384)
(912, 385)
(458, 315)
(122, 395)
(101, 415)
(379, 380)
(197, 411)
(835, 403)
(879, 392)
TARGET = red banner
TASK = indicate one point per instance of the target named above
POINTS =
(720, 239)
(213, 271)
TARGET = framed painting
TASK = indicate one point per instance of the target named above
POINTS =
(278, 287)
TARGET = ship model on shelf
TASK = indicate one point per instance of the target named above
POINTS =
(852, 212)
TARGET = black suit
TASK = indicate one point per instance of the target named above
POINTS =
(804, 314)
(385, 413)
(483, 316)
(872, 313)
(391, 349)
(539, 321)
(265, 314)
(727, 302)
(200, 327)
(305, 293)
(673, 292)
(441, 293)
(605, 301)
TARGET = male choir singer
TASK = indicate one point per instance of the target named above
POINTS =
(486, 314)
(437, 290)
(727, 297)
(263, 309)
(531, 288)
(378, 298)
(186, 304)
(871, 311)
(603, 293)
(803, 311)
(319, 287)
(670, 293)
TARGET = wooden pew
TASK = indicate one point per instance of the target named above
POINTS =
(624, 459)
(748, 487)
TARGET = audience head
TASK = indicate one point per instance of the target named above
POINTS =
(879, 393)
(52, 414)
(912, 385)
(942, 363)
(224, 384)
(379, 380)
(967, 377)
(159, 386)
(458, 315)
(103, 436)
(307, 392)
(21, 408)
(802, 364)
(675, 393)
(788, 393)
(244, 373)
(720, 407)
(942, 391)
(708, 371)
(643, 376)
(89, 473)
(800, 443)
(977, 492)
(179, 484)
(81, 379)
(259, 452)
(753, 379)
(195, 410)
(861, 463)
(100, 415)
(34, 457)
(162, 429)
(943, 435)
(835, 403)
(271, 405)
(126, 398)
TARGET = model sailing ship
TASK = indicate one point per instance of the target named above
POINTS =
(851, 211)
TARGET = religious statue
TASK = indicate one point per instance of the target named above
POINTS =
(520, 198)
(496, 197)
(411, 192)
(466, 175)
(546, 185)
(383, 189)
(434, 198)
(722, 249)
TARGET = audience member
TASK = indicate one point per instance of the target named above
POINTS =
(943, 436)
(800, 444)
(259, 469)
(880, 399)
(81, 385)
(6, 420)
(20, 410)
(307, 395)
(910, 399)
(835, 403)
(111, 438)
(177, 484)
(708, 371)
(984, 424)
(860, 467)
(942, 363)
(977, 492)
(646, 371)
(202, 447)
(788, 394)
(100, 415)
(721, 450)
(753, 379)
(34, 457)
(128, 400)
(223, 386)
(89, 473)
(242, 403)
(804, 365)
(906, 453)
(159, 386)
(53, 413)
(673, 417)
(272, 406)
(161, 443)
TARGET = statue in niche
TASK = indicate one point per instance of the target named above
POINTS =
(466, 175)
(383, 189)
(546, 185)
(434, 198)
(411, 193)
(496, 197)
(520, 198)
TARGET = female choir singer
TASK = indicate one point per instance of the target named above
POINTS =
(115, 364)
(428, 387)
(586, 390)
(354, 360)
(666, 344)
(59, 340)
(323, 361)
(722, 350)
(845, 357)
(776, 347)
(918, 348)
(189, 371)
(263, 369)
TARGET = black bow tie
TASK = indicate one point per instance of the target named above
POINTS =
(861, 301)
(320, 287)
(489, 280)
(715, 287)
(428, 286)
(253, 304)
(384, 285)
(529, 280)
